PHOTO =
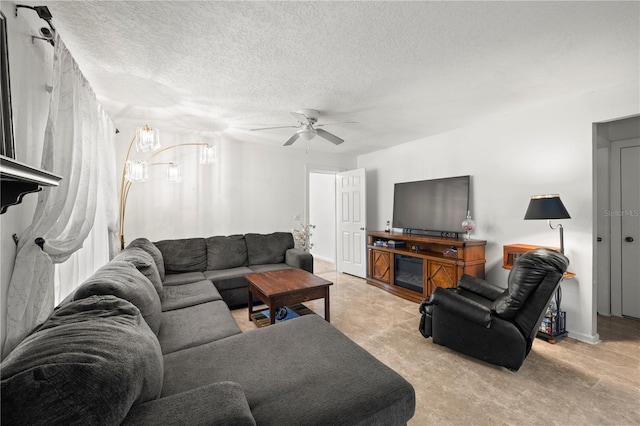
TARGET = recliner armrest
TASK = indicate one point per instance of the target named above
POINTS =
(298, 258)
(468, 309)
(480, 287)
(222, 403)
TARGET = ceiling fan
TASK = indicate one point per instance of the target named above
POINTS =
(308, 129)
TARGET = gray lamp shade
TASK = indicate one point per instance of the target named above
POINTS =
(546, 207)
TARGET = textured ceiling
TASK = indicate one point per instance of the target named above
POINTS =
(401, 70)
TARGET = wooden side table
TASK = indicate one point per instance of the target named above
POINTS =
(555, 317)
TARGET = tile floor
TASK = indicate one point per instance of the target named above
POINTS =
(568, 383)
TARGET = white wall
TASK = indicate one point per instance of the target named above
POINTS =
(322, 214)
(252, 188)
(30, 73)
(546, 149)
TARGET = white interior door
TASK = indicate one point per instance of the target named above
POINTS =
(630, 225)
(625, 227)
(351, 225)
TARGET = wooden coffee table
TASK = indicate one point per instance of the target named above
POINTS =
(277, 289)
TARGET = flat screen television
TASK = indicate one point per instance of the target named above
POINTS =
(436, 205)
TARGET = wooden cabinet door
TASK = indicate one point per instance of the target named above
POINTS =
(381, 267)
(440, 275)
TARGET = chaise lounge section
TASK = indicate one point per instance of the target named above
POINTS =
(128, 348)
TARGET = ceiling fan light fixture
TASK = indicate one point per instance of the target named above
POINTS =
(308, 133)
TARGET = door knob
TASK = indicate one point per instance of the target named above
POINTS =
(629, 239)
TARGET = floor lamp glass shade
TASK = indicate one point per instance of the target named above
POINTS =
(136, 171)
(174, 173)
(546, 207)
(208, 154)
(147, 139)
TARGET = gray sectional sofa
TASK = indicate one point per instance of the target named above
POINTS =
(225, 260)
(143, 342)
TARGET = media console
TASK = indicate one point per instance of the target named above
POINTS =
(412, 266)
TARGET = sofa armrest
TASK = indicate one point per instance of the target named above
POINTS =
(456, 303)
(480, 287)
(298, 258)
(221, 403)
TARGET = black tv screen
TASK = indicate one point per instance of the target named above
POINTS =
(431, 205)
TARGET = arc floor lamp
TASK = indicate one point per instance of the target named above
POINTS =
(147, 139)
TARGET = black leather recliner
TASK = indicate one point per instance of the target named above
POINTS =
(491, 323)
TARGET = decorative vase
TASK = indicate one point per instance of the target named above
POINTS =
(468, 224)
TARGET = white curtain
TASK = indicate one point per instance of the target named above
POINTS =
(79, 146)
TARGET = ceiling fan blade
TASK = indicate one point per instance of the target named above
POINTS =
(333, 124)
(329, 136)
(292, 139)
(278, 127)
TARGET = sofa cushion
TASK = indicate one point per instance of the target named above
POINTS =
(182, 296)
(183, 278)
(144, 263)
(89, 363)
(268, 248)
(226, 252)
(183, 255)
(195, 325)
(228, 278)
(150, 248)
(309, 357)
(221, 403)
(269, 267)
(123, 280)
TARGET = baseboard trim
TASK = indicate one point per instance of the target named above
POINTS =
(591, 339)
(326, 259)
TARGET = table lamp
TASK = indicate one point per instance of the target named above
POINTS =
(548, 207)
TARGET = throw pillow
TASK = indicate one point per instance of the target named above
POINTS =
(89, 363)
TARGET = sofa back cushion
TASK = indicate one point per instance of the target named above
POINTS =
(123, 280)
(183, 255)
(150, 248)
(226, 252)
(268, 248)
(144, 263)
(89, 363)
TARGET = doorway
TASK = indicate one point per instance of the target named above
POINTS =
(617, 220)
(322, 215)
(625, 225)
